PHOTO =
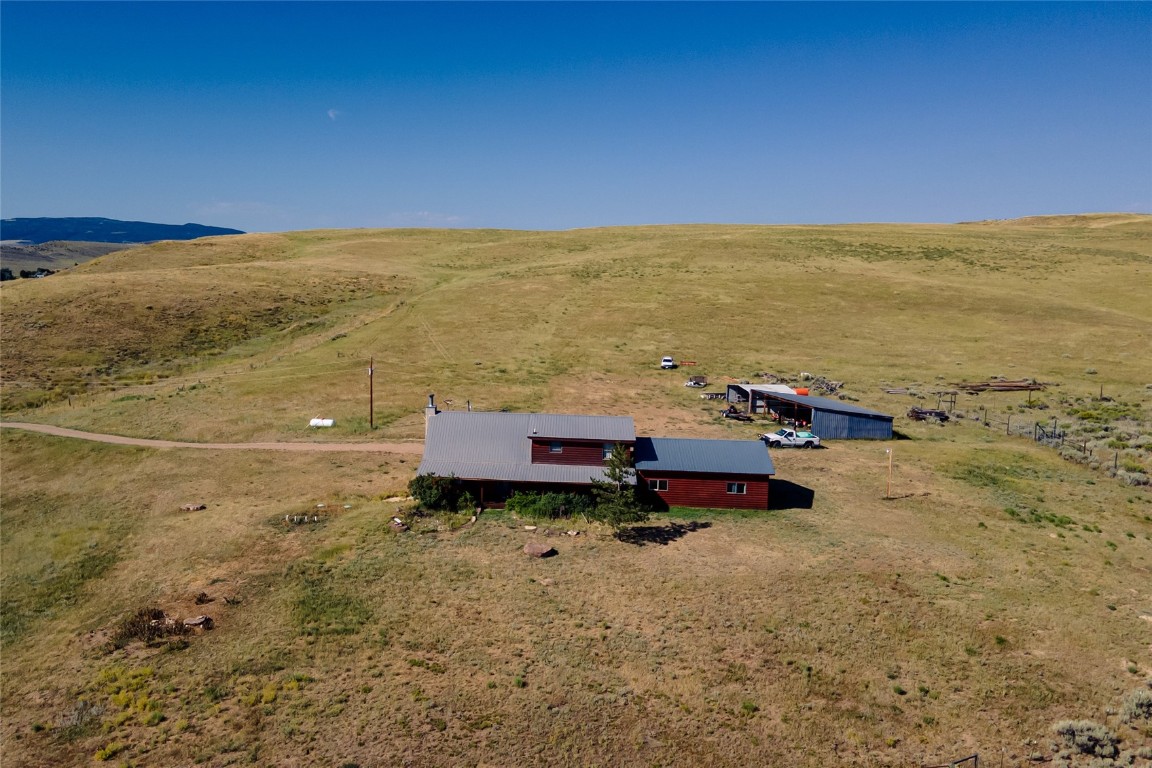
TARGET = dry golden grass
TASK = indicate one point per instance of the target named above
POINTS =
(1003, 588)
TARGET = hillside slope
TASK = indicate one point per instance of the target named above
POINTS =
(573, 320)
(1004, 585)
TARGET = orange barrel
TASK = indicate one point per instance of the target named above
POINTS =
(802, 390)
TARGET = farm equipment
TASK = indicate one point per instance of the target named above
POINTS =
(924, 414)
(731, 412)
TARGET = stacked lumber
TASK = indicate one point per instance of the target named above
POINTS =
(1021, 385)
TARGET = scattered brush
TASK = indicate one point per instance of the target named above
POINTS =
(147, 625)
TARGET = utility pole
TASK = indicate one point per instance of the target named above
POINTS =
(371, 393)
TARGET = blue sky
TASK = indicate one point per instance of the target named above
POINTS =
(271, 116)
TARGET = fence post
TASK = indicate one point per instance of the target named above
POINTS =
(1008, 428)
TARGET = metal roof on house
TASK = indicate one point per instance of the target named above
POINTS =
(820, 403)
(730, 457)
(608, 428)
(478, 445)
(515, 473)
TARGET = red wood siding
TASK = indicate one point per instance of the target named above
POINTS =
(579, 452)
(686, 489)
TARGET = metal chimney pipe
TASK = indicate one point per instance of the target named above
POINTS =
(429, 412)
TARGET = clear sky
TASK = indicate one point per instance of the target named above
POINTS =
(270, 116)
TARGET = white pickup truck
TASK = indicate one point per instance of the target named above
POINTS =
(790, 438)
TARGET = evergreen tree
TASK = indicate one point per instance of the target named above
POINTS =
(616, 502)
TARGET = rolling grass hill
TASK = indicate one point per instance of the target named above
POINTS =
(1003, 589)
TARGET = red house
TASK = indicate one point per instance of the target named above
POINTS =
(494, 454)
(718, 474)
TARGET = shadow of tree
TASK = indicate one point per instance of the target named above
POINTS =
(641, 535)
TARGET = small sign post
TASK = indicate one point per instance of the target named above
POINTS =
(371, 409)
(888, 492)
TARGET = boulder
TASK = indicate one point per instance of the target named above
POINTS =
(538, 549)
(199, 622)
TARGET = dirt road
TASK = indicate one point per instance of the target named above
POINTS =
(379, 447)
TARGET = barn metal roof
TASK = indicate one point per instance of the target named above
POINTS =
(497, 446)
(730, 457)
(819, 403)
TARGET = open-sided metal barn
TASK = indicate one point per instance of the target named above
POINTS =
(828, 418)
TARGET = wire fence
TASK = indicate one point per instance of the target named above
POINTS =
(1050, 434)
(973, 760)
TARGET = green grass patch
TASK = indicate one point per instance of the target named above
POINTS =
(56, 587)
(324, 606)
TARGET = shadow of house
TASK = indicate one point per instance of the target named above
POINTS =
(789, 495)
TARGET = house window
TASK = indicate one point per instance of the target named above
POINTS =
(607, 451)
(739, 488)
(555, 447)
(658, 485)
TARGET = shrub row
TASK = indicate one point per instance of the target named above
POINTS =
(550, 505)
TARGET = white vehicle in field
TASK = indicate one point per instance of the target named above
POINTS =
(667, 362)
(790, 438)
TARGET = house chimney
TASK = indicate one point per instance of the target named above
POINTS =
(429, 412)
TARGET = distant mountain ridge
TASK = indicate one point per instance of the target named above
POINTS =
(99, 230)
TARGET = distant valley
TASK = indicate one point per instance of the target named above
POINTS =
(98, 230)
(53, 244)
